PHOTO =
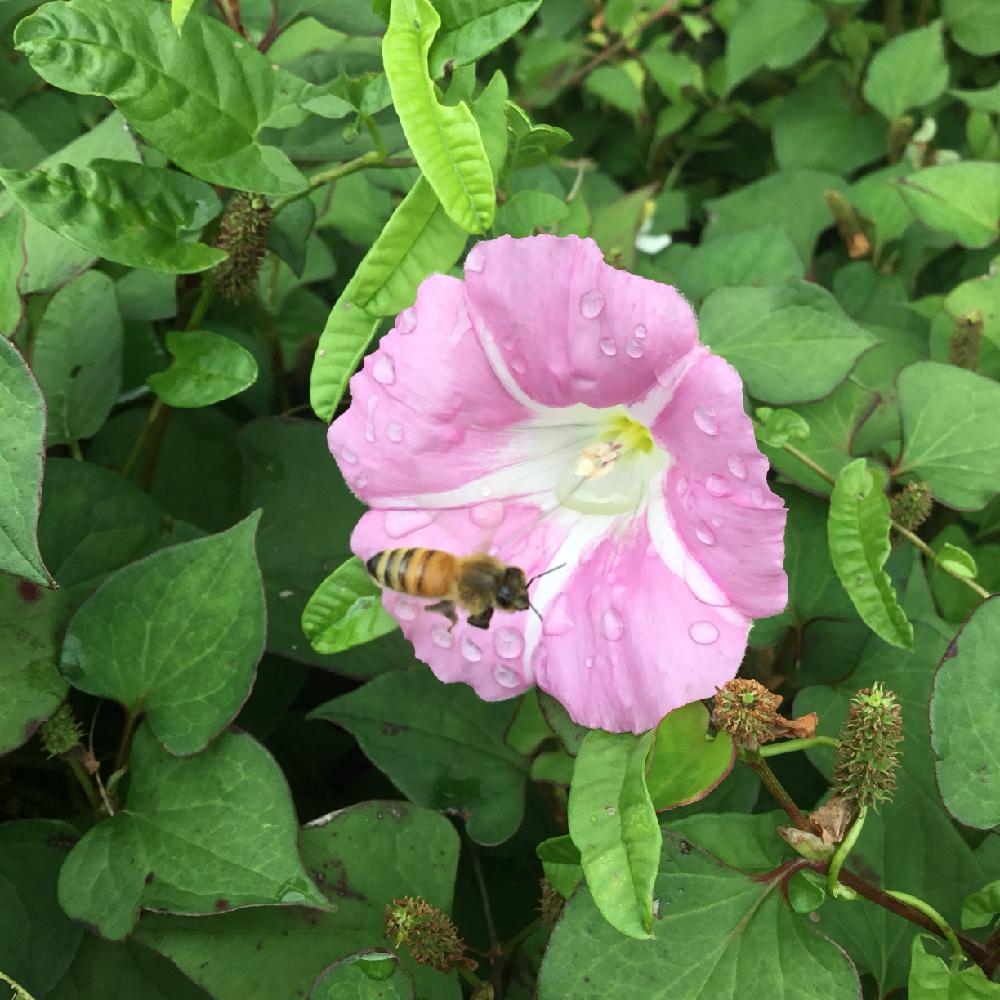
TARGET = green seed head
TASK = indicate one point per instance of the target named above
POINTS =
(61, 732)
(428, 932)
(867, 757)
(911, 506)
(243, 234)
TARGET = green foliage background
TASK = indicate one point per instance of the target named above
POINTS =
(821, 179)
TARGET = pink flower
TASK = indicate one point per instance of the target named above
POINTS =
(558, 412)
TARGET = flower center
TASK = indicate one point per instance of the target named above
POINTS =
(613, 469)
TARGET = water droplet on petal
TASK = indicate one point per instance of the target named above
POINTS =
(757, 496)
(639, 332)
(509, 643)
(370, 418)
(589, 661)
(394, 431)
(718, 486)
(634, 348)
(405, 609)
(612, 626)
(348, 456)
(558, 618)
(475, 261)
(406, 321)
(398, 523)
(704, 533)
(591, 304)
(504, 676)
(442, 637)
(703, 633)
(704, 419)
(488, 514)
(384, 369)
(609, 347)
(682, 485)
(361, 481)
(737, 467)
(470, 650)
(518, 363)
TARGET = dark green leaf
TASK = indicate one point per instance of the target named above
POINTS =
(440, 745)
(149, 639)
(207, 368)
(289, 232)
(12, 264)
(527, 211)
(613, 824)
(909, 72)
(471, 29)
(560, 859)
(180, 844)
(974, 24)
(931, 978)
(368, 976)
(981, 908)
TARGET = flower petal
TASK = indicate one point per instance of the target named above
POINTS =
(564, 327)
(626, 641)
(717, 497)
(427, 412)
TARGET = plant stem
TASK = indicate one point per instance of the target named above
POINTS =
(840, 855)
(929, 911)
(84, 779)
(469, 976)
(791, 746)
(331, 174)
(129, 467)
(125, 743)
(806, 460)
(20, 993)
(74, 450)
(758, 765)
(201, 306)
(521, 936)
(487, 909)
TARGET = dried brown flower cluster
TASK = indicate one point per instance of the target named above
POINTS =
(428, 932)
(749, 713)
(243, 234)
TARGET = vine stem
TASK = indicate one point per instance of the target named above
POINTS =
(758, 765)
(912, 538)
(368, 159)
(840, 855)
(20, 993)
(131, 720)
(85, 783)
(943, 925)
(791, 746)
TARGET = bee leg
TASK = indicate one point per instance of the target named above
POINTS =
(481, 620)
(446, 608)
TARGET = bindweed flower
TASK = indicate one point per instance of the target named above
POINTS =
(561, 415)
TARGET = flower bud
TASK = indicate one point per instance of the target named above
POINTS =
(849, 225)
(911, 506)
(61, 733)
(428, 932)
(243, 234)
(866, 759)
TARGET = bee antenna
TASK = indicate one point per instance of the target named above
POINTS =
(538, 576)
(537, 612)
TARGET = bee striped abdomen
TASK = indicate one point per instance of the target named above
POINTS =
(421, 572)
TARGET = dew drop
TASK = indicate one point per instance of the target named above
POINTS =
(394, 432)
(589, 662)
(470, 650)
(398, 523)
(704, 419)
(634, 348)
(612, 626)
(591, 304)
(558, 618)
(718, 486)
(639, 332)
(348, 456)
(703, 633)
(370, 419)
(609, 347)
(737, 467)
(682, 485)
(704, 533)
(611, 810)
(475, 261)
(488, 514)
(509, 643)
(406, 321)
(405, 609)
(442, 637)
(518, 363)
(384, 369)
(504, 676)
(361, 481)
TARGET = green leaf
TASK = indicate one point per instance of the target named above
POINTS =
(613, 824)
(771, 33)
(560, 859)
(206, 369)
(859, 545)
(440, 745)
(615, 87)
(531, 145)
(960, 199)
(149, 638)
(77, 357)
(444, 139)
(987, 100)
(951, 436)
(957, 560)
(200, 98)
(121, 211)
(368, 976)
(527, 211)
(909, 72)
(790, 342)
(37, 940)
(931, 978)
(346, 610)
(32, 621)
(22, 418)
(717, 908)
(981, 908)
(12, 265)
(974, 25)
(180, 842)
(685, 761)
(762, 256)
(179, 10)
(471, 30)
(965, 703)
(363, 858)
(289, 233)
(778, 427)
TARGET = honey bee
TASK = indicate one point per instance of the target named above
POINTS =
(479, 584)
